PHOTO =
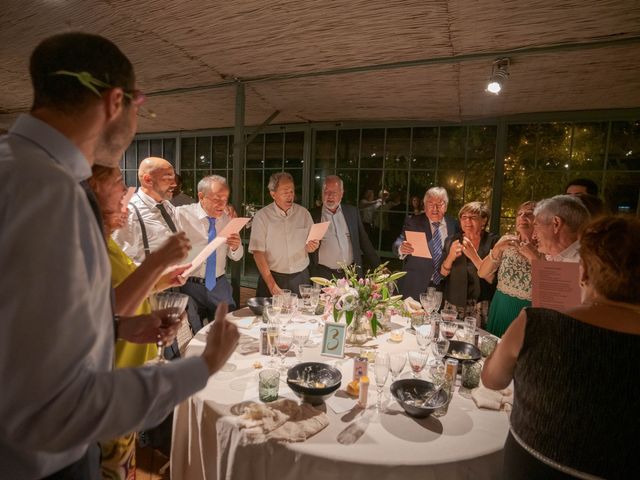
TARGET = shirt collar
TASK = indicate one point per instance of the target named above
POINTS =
(149, 201)
(328, 211)
(282, 213)
(571, 251)
(54, 143)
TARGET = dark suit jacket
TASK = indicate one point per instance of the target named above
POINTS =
(364, 255)
(464, 275)
(420, 270)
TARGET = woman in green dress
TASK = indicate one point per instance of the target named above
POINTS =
(511, 259)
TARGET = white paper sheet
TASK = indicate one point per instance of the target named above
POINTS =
(204, 254)
(317, 231)
(234, 226)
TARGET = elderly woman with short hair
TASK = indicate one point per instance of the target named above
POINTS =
(463, 254)
(575, 411)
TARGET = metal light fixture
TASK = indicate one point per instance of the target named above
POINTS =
(499, 73)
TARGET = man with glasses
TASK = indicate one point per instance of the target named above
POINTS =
(60, 394)
(208, 286)
(152, 217)
(346, 241)
(423, 273)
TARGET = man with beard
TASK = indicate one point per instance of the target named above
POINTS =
(152, 217)
(59, 393)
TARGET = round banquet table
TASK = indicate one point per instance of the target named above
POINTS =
(466, 443)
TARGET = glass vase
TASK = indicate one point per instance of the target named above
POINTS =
(359, 331)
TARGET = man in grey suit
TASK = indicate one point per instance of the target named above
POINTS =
(346, 241)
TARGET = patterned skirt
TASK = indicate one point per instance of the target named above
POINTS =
(504, 310)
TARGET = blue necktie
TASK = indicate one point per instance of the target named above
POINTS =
(436, 253)
(210, 271)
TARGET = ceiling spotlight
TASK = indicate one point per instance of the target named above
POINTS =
(499, 73)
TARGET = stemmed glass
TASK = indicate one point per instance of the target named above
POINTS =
(397, 361)
(273, 329)
(300, 337)
(305, 292)
(439, 348)
(417, 361)
(436, 301)
(284, 341)
(314, 299)
(381, 372)
(289, 307)
(423, 337)
(426, 300)
(175, 303)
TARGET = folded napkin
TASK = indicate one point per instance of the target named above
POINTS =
(493, 399)
(412, 306)
(283, 420)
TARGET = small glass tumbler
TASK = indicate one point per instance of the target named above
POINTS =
(417, 319)
(488, 344)
(268, 383)
(471, 374)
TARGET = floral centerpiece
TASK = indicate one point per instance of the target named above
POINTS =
(361, 300)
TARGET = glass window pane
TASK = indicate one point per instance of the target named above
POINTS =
(130, 162)
(219, 152)
(348, 148)
(453, 182)
(396, 183)
(452, 146)
(398, 148)
(589, 141)
(293, 150)
(189, 183)
(521, 147)
(131, 178)
(273, 150)
(325, 151)
(622, 192)
(425, 147)
(143, 150)
(187, 153)
(255, 152)
(169, 150)
(203, 153)
(372, 150)
(350, 181)
(624, 146)
(478, 185)
(420, 182)
(255, 187)
(554, 144)
(297, 179)
(156, 147)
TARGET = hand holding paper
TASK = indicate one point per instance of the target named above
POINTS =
(418, 241)
(234, 226)
(317, 231)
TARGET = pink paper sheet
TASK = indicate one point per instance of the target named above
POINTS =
(555, 285)
(418, 241)
(317, 231)
(234, 226)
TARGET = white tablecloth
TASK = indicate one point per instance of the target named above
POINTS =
(464, 444)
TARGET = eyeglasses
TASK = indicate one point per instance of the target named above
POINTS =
(473, 218)
(136, 97)
(435, 206)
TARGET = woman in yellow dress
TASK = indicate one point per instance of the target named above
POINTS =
(132, 287)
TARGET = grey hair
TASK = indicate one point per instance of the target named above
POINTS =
(333, 178)
(276, 178)
(204, 185)
(437, 192)
(569, 208)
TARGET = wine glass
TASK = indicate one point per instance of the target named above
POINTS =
(439, 348)
(449, 314)
(289, 307)
(423, 337)
(381, 372)
(448, 329)
(314, 299)
(426, 300)
(305, 292)
(284, 341)
(273, 329)
(417, 361)
(175, 303)
(397, 361)
(437, 301)
(300, 337)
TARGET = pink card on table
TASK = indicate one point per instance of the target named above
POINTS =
(418, 241)
(555, 285)
(234, 226)
(317, 231)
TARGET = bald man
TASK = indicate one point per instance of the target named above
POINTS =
(152, 217)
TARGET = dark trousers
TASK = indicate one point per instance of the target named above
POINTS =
(286, 281)
(86, 467)
(203, 303)
(319, 270)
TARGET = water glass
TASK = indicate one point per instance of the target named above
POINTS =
(417, 319)
(305, 292)
(439, 348)
(423, 337)
(300, 336)
(314, 299)
(426, 300)
(449, 314)
(470, 324)
(381, 372)
(471, 374)
(283, 343)
(448, 329)
(268, 383)
(487, 344)
(417, 361)
(397, 361)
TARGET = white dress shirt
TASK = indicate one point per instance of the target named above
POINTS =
(570, 254)
(282, 237)
(59, 393)
(195, 223)
(335, 249)
(129, 237)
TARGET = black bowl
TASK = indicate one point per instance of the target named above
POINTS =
(314, 372)
(412, 388)
(463, 347)
(256, 304)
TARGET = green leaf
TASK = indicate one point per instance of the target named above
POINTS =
(396, 276)
(336, 314)
(349, 317)
(374, 325)
(321, 281)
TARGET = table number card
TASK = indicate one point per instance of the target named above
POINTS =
(333, 339)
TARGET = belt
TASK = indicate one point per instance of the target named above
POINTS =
(199, 280)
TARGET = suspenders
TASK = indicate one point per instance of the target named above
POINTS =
(145, 239)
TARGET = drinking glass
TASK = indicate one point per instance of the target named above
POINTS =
(289, 308)
(470, 329)
(283, 342)
(487, 344)
(268, 382)
(314, 298)
(471, 374)
(381, 372)
(417, 361)
(448, 329)
(300, 337)
(439, 348)
(426, 300)
(397, 361)
(305, 292)
(423, 337)
(175, 303)
(449, 314)
(273, 329)
(437, 300)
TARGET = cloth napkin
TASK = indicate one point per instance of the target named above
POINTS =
(411, 306)
(283, 420)
(492, 399)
